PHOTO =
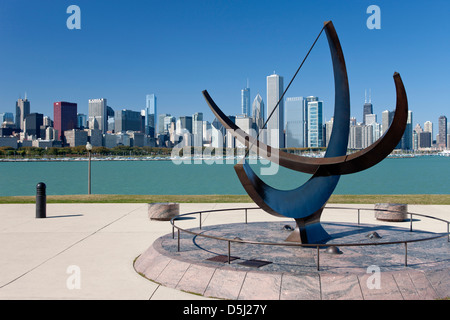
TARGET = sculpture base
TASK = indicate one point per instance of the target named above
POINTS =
(309, 230)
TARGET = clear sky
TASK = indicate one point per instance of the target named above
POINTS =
(175, 49)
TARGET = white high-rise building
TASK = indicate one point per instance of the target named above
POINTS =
(246, 124)
(275, 125)
(428, 127)
(98, 118)
(197, 129)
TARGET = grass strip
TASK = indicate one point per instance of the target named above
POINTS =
(425, 199)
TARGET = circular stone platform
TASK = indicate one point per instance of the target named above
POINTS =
(280, 272)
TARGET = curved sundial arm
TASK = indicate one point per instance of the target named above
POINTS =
(346, 164)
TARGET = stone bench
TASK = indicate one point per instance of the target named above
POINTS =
(163, 211)
(395, 212)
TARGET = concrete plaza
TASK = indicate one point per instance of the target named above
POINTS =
(87, 251)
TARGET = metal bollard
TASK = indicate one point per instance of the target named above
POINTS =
(41, 200)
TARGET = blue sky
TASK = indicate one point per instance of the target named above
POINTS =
(176, 49)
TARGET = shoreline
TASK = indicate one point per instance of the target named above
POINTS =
(416, 199)
(170, 158)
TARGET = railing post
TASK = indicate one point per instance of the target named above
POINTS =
(448, 231)
(410, 222)
(406, 254)
(229, 252)
(245, 215)
(200, 220)
(318, 258)
(358, 218)
(178, 240)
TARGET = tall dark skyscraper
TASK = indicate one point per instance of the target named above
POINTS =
(127, 120)
(33, 123)
(368, 108)
(151, 120)
(64, 117)
(442, 127)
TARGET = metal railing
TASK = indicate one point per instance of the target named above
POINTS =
(316, 245)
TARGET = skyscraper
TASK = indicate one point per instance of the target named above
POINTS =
(33, 123)
(197, 129)
(22, 110)
(64, 117)
(275, 125)
(98, 114)
(314, 111)
(161, 117)
(386, 119)
(6, 117)
(127, 120)
(258, 112)
(294, 114)
(150, 115)
(428, 127)
(406, 143)
(81, 121)
(185, 124)
(368, 108)
(442, 127)
(245, 101)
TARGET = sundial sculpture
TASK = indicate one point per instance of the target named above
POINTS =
(306, 203)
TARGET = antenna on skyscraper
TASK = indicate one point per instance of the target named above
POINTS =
(365, 96)
(370, 95)
(247, 83)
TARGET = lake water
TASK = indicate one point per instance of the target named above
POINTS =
(419, 175)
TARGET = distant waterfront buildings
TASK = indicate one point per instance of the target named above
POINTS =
(297, 122)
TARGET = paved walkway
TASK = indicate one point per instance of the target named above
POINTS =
(87, 251)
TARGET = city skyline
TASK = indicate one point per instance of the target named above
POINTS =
(195, 46)
(322, 130)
